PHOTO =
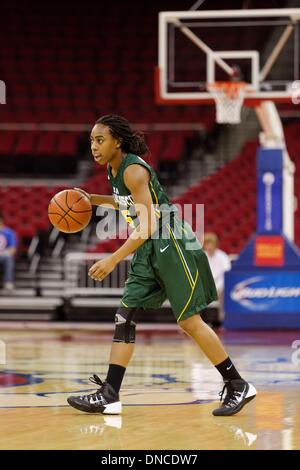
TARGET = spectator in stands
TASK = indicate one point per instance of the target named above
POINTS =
(8, 248)
(218, 260)
(219, 263)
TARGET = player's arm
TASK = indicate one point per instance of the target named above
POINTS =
(136, 179)
(104, 201)
(100, 200)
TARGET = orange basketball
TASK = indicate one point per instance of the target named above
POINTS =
(70, 211)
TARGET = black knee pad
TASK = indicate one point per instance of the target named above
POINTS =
(125, 321)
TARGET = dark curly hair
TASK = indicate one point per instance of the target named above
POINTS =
(120, 129)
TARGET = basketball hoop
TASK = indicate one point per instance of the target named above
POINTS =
(229, 98)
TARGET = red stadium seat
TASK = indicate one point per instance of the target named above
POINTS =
(46, 144)
(26, 143)
(67, 144)
(7, 142)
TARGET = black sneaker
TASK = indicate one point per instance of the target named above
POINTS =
(239, 393)
(105, 400)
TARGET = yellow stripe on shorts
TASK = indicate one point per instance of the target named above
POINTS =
(184, 263)
(190, 298)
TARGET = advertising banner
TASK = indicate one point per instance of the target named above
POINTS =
(262, 292)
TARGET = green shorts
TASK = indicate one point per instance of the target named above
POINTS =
(172, 266)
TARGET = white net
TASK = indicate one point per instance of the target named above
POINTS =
(229, 98)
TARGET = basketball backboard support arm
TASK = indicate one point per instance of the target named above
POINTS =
(276, 51)
(204, 47)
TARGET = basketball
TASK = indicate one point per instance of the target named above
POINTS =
(70, 211)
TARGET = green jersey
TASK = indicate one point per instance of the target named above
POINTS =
(171, 265)
(124, 199)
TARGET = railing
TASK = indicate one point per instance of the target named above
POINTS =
(78, 283)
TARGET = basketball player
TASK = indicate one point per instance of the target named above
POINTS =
(162, 267)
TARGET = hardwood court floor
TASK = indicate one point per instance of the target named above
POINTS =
(168, 394)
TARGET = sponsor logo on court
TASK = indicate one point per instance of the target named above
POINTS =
(10, 379)
(2, 92)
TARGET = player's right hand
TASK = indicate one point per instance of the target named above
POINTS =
(89, 196)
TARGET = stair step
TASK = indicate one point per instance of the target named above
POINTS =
(52, 292)
(41, 284)
(32, 303)
(45, 275)
(44, 266)
(29, 283)
(55, 284)
(19, 293)
(49, 260)
(26, 316)
(25, 275)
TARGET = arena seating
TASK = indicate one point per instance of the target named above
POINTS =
(70, 73)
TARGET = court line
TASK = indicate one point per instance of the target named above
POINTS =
(195, 402)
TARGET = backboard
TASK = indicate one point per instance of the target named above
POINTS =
(197, 48)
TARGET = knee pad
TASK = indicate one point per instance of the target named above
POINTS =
(125, 324)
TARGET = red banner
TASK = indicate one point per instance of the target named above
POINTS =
(269, 251)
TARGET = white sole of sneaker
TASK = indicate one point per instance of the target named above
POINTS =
(113, 409)
(251, 392)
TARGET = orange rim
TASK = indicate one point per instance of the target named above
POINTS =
(230, 88)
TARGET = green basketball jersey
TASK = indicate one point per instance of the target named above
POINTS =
(124, 199)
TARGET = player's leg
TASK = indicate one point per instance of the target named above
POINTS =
(121, 353)
(106, 399)
(205, 338)
(239, 392)
(122, 347)
(190, 291)
(141, 288)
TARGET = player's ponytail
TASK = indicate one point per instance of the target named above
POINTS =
(120, 129)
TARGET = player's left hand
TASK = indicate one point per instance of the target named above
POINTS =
(102, 268)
